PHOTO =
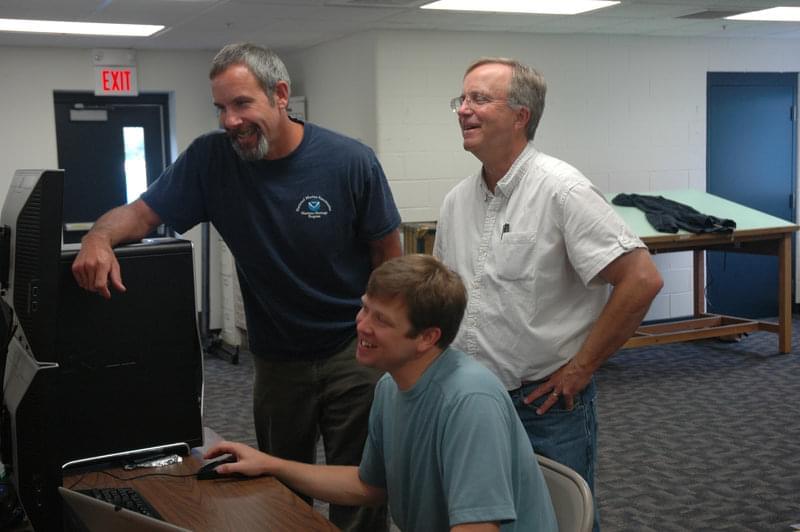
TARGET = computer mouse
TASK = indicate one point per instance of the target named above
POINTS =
(208, 471)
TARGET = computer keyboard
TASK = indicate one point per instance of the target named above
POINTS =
(124, 497)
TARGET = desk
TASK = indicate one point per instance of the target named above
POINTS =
(756, 232)
(214, 505)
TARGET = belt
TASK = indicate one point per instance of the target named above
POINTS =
(528, 383)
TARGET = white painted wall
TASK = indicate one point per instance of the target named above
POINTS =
(338, 81)
(29, 138)
(630, 112)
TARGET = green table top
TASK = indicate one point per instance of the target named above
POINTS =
(746, 218)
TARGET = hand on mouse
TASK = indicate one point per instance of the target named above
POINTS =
(250, 462)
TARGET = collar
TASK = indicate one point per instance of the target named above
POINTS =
(423, 381)
(515, 174)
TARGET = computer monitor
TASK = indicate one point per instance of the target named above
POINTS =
(31, 249)
(35, 431)
(131, 366)
(123, 376)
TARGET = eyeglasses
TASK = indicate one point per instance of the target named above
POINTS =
(473, 101)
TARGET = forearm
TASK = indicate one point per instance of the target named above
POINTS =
(124, 224)
(636, 283)
(386, 248)
(335, 484)
(476, 527)
(617, 322)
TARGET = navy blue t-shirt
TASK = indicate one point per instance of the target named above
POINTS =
(298, 228)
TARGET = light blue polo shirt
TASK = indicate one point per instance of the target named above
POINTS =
(452, 450)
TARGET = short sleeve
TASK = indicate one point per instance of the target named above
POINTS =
(177, 195)
(595, 235)
(372, 470)
(440, 239)
(377, 212)
(478, 490)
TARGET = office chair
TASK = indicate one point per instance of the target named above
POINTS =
(572, 499)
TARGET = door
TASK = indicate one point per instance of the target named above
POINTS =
(751, 160)
(111, 149)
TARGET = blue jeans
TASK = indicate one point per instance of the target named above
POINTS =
(566, 436)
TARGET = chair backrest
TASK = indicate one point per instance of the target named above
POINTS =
(571, 496)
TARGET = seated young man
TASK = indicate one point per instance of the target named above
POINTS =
(445, 445)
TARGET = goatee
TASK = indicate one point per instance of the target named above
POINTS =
(257, 152)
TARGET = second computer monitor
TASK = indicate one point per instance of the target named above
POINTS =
(131, 367)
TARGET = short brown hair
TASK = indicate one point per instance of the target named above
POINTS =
(433, 294)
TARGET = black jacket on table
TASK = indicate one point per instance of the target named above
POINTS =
(669, 216)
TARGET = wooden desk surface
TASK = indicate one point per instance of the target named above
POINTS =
(213, 505)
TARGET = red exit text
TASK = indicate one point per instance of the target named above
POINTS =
(116, 80)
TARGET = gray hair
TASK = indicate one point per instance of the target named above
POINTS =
(527, 88)
(262, 62)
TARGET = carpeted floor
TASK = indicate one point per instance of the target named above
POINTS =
(228, 398)
(701, 436)
(693, 437)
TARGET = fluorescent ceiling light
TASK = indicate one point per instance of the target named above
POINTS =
(773, 14)
(542, 7)
(78, 28)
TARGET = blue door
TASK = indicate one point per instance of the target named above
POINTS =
(750, 160)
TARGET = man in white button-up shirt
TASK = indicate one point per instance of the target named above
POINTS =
(537, 245)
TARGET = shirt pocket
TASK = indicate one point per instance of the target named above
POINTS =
(515, 255)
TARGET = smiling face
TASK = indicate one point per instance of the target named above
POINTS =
(489, 126)
(385, 340)
(245, 112)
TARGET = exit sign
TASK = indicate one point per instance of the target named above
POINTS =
(115, 81)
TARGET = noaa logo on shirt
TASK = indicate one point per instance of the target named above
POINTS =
(314, 207)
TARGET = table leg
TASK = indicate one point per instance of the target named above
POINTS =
(698, 282)
(785, 294)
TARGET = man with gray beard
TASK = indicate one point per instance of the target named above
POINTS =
(308, 214)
